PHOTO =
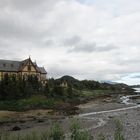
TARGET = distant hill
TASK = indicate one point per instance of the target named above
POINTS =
(68, 79)
(109, 82)
(91, 84)
(135, 86)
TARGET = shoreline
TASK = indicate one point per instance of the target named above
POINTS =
(96, 123)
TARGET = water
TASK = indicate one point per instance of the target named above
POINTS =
(137, 90)
(126, 99)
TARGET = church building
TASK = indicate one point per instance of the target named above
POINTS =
(22, 68)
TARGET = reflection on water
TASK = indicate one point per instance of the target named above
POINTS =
(137, 90)
(126, 99)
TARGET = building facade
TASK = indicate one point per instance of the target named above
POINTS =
(22, 69)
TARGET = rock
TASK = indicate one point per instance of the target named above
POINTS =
(16, 128)
(127, 123)
(40, 120)
(22, 121)
(110, 117)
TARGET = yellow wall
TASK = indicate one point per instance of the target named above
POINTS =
(40, 76)
(29, 73)
(43, 76)
(9, 74)
(0, 75)
(26, 69)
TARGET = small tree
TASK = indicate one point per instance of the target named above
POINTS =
(69, 92)
(58, 91)
(47, 90)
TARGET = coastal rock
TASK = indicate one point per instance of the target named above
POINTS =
(16, 128)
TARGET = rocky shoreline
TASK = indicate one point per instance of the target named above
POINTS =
(40, 120)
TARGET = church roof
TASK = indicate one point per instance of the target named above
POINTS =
(42, 70)
(8, 65)
(15, 66)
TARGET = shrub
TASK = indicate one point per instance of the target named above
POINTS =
(101, 137)
(118, 132)
(56, 132)
(77, 133)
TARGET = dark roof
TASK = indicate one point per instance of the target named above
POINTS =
(15, 66)
(42, 70)
(8, 65)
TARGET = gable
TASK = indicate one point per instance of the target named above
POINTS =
(29, 67)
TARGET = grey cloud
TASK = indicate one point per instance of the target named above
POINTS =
(57, 71)
(137, 76)
(25, 4)
(105, 48)
(91, 47)
(61, 34)
(49, 42)
(72, 41)
(14, 26)
(20, 20)
(9, 28)
(86, 47)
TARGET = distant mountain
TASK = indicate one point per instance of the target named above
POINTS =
(109, 82)
(67, 78)
(135, 86)
(91, 84)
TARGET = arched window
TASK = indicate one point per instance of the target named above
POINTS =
(25, 76)
(6, 76)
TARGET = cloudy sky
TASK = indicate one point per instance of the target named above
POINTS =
(87, 39)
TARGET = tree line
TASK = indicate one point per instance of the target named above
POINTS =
(12, 88)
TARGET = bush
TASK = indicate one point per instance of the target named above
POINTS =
(77, 134)
(101, 137)
(118, 132)
(56, 132)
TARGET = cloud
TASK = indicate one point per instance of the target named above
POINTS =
(136, 76)
(87, 47)
(87, 39)
(72, 41)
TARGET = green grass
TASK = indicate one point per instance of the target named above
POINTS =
(34, 102)
(119, 128)
(42, 102)
(95, 93)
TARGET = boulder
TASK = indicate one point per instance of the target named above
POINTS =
(16, 128)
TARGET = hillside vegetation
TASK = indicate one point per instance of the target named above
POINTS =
(23, 94)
